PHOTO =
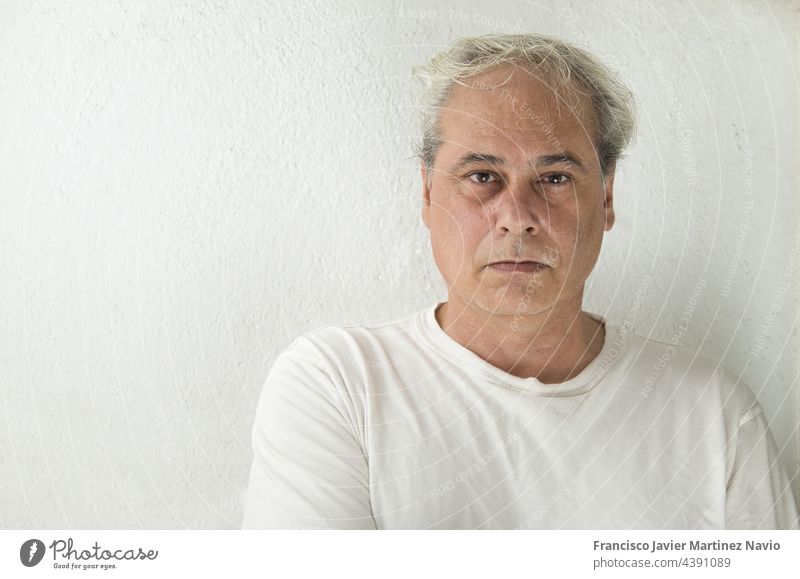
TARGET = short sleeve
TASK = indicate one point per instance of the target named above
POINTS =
(759, 495)
(309, 470)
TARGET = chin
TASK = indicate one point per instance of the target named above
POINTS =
(512, 301)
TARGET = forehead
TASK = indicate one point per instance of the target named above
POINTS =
(512, 105)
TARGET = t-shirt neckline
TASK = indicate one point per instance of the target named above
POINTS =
(446, 346)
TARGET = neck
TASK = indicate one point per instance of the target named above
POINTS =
(552, 346)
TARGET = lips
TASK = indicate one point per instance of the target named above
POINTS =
(520, 266)
(517, 261)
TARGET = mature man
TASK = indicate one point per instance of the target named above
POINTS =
(508, 406)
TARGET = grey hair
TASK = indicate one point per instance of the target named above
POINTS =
(560, 63)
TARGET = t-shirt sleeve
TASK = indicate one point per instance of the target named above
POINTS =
(309, 470)
(758, 495)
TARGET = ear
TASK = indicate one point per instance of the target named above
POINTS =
(608, 197)
(426, 196)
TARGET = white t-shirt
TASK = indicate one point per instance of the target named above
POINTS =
(398, 426)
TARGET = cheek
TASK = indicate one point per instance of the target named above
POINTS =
(591, 226)
(456, 231)
(587, 236)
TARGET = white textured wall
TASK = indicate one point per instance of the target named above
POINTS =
(186, 186)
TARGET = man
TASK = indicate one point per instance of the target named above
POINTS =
(508, 406)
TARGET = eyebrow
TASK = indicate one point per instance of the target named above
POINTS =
(541, 161)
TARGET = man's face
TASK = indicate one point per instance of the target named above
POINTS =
(539, 196)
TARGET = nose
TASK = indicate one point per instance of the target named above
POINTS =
(519, 210)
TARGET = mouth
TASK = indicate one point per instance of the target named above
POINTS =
(517, 266)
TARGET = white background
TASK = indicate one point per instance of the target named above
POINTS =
(187, 186)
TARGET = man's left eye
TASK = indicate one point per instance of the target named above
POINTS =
(557, 179)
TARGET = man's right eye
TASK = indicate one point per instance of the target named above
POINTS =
(481, 177)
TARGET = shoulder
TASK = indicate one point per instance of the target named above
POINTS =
(351, 357)
(325, 374)
(345, 347)
(683, 373)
